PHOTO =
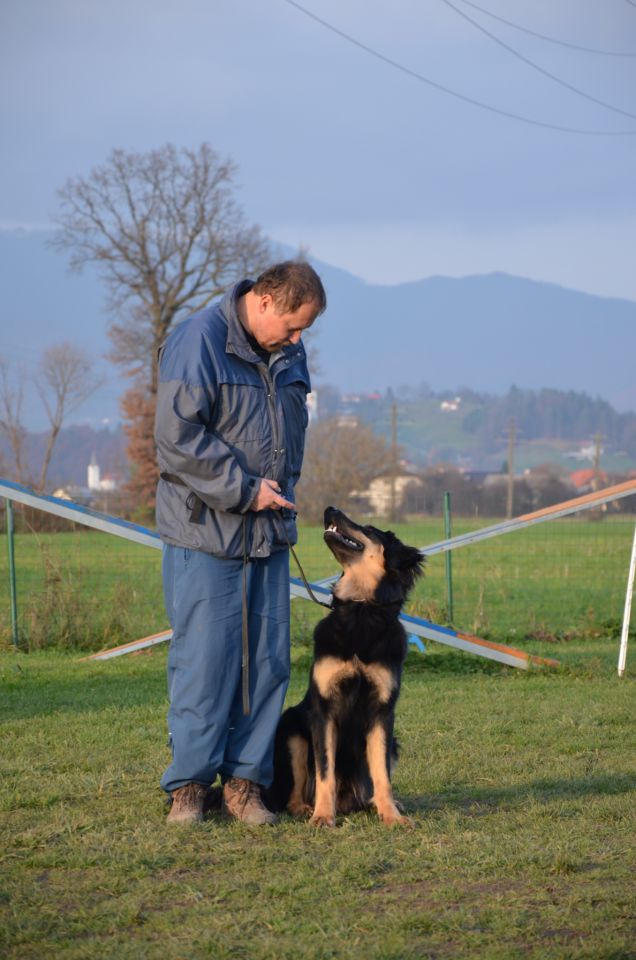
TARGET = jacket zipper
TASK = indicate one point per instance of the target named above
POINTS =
(271, 407)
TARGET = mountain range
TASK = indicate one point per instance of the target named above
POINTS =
(485, 332)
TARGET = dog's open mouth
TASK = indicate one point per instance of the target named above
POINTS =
(334, 534)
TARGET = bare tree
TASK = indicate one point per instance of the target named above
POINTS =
(65, 382)
(166, 234)
(340, 459)
(11, 399)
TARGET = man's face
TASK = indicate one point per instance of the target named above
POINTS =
(273, 330)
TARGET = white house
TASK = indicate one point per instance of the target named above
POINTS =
(95, 481)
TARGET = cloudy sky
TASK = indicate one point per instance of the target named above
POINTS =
(348, 144)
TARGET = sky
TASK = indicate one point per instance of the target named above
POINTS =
(367, 166)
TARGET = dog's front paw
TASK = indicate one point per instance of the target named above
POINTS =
(323, 820)
(392, 816)
(299, 809)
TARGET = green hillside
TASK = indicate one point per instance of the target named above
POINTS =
(553, 427)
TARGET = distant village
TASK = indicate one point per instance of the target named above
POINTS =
(405, 489)
(97, 487)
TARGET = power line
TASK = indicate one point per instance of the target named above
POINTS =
(454, 93)
(542, 36)
(535, 66)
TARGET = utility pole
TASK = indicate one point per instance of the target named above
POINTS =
(596, 480)
(394, 462)
(512, 429)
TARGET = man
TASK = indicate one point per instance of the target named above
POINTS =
(230, 424)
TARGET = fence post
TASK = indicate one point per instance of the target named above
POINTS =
(14, 603)
(449, 562)
(622, 654)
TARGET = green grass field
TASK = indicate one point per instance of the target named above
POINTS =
(550, 582)
(522, 787)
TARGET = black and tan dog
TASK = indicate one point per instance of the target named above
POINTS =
(334, 750)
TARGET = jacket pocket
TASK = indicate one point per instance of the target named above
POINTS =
(242, 413)
(293, 398)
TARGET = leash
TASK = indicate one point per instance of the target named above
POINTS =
(245, 664)
(245, 639)
(195, 506)
(300, 569)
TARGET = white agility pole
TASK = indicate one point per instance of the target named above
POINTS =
(510, 656)
(75, 512)
(558, 510)
(563, 509)
(133, 647)
(622, 655)
(415, 625)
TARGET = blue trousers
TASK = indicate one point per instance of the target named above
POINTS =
(208, 731)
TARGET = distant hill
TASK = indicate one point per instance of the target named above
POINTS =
(484, 333)
(72, 454)
(43, 304)
(471, 432)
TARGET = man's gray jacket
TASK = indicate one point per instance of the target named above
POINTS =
(224, 419)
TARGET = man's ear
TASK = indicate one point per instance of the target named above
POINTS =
(265, 301)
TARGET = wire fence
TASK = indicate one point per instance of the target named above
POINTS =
(80, 588)
(543, 581)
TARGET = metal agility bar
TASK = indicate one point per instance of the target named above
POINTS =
(417, 626)
(414, 625)
(562, 509)
(79, 514)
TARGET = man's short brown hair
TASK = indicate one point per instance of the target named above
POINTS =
(290, 285)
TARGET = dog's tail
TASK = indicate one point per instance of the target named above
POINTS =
(292, 724)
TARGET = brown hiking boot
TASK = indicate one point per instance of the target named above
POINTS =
(242, 800)
(187, 804)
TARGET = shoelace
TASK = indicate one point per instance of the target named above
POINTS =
(246, 791)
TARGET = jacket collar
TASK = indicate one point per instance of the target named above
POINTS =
(236, 341)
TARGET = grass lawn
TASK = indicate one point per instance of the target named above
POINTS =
(522, 787)
(85, 589)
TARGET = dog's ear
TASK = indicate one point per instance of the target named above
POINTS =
(410, 563)
(404, 565)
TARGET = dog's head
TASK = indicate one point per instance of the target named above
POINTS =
(377, 566)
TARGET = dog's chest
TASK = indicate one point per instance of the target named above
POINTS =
(332, 675)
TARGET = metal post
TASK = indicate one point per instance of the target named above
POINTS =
(449, 562)
(14, 603)
(511, 469)
(394, 463)
(622, 656)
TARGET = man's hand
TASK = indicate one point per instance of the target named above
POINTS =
(269, 497)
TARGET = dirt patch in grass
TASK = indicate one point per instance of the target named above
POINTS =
(459, 895)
